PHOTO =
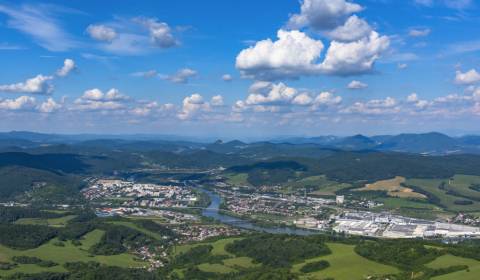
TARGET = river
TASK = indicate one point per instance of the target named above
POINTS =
(212, 211)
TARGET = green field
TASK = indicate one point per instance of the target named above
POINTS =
(345, 264)
(53, 222)
(446, 200)
(320, 184)
(473, 272)
(240, 179)
(68, 253)
(139, 228)
(229, 264)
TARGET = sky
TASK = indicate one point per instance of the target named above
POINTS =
(240, 68)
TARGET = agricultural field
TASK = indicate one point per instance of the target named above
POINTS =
(345, 264)
(320, 185)
(53, 222)
(60, 254)
(139, 228)
(445, 261)
(441, 192)
(239, 179)
(227, 265)
(394, 188)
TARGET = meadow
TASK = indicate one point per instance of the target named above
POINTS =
(65, 253)
(345, 264)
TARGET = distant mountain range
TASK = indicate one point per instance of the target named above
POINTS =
(427, 143)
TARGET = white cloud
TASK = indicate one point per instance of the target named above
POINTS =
(227, 77)
(356, 85)
(419, 32)
(427, 3)
(326, 99)
(458, 4)
(467, 78)
(160, 32)
(128, 44)
(302, 99)
(278, 97)
(355, 57)
(373, 107)
(37, 85)
(101, 32)
(20, 103)
(68, 66)
(323, 14)
(270, 94)
(293, 54)
(402, 66)
(146, 74)
(217, 100)
(49, 106)
(192, 105)
(453, 4)
(95, 99)
(181, 77)
(412, 98)
(37, 21)
(354, 29)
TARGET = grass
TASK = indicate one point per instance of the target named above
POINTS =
(449, 260)
(53, 222)
(215, 268)
(68, 253)
(230, 264)
(446, 200)
(242, 262)
(139, 228)
(240, 179)
(218, 246)
(320, 184)
(345, 264)
(393, 187)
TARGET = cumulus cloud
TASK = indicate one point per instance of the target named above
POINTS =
(95, 99)
(323, 14)
(467, 78)
(412, 98)
(354, 57)
(417, 102)
(181, 77)
(270, 94)
(356, 85)
(373, 107)
(293, 54)
(217, 100)
(277, 97)
(419, 32)
(68, 66)
(192, 105)
(20, 103)
(354, 29)
(160, 32)
(39, 84)
(227, 77)
(49, 106)
(101, 32)
(402, 66)
(326, 98)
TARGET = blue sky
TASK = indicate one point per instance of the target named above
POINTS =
(240, 68)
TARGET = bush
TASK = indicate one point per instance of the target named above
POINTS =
(315, 266)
